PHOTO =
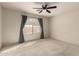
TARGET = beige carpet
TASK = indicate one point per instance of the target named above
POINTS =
(42, 47)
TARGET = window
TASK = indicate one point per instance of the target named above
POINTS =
(28, 29)
(36, 29)
(32, 26)
(31, 29)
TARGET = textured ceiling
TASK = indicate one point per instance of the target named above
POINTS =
(28, 7)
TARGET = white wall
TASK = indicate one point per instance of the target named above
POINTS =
(65, 27)
(11, 26)
(0, 26)
(45, 25)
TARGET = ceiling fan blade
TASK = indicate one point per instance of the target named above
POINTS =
(37, 8)
(51, 7)
(42, 6)
(45, 5)
(48, 11)
(40, 11)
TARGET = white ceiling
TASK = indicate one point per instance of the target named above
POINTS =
(28, 7)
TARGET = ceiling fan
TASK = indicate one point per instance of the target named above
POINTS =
(45, 7)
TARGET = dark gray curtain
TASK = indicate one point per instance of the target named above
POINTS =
(41, 25)
(21, 36)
